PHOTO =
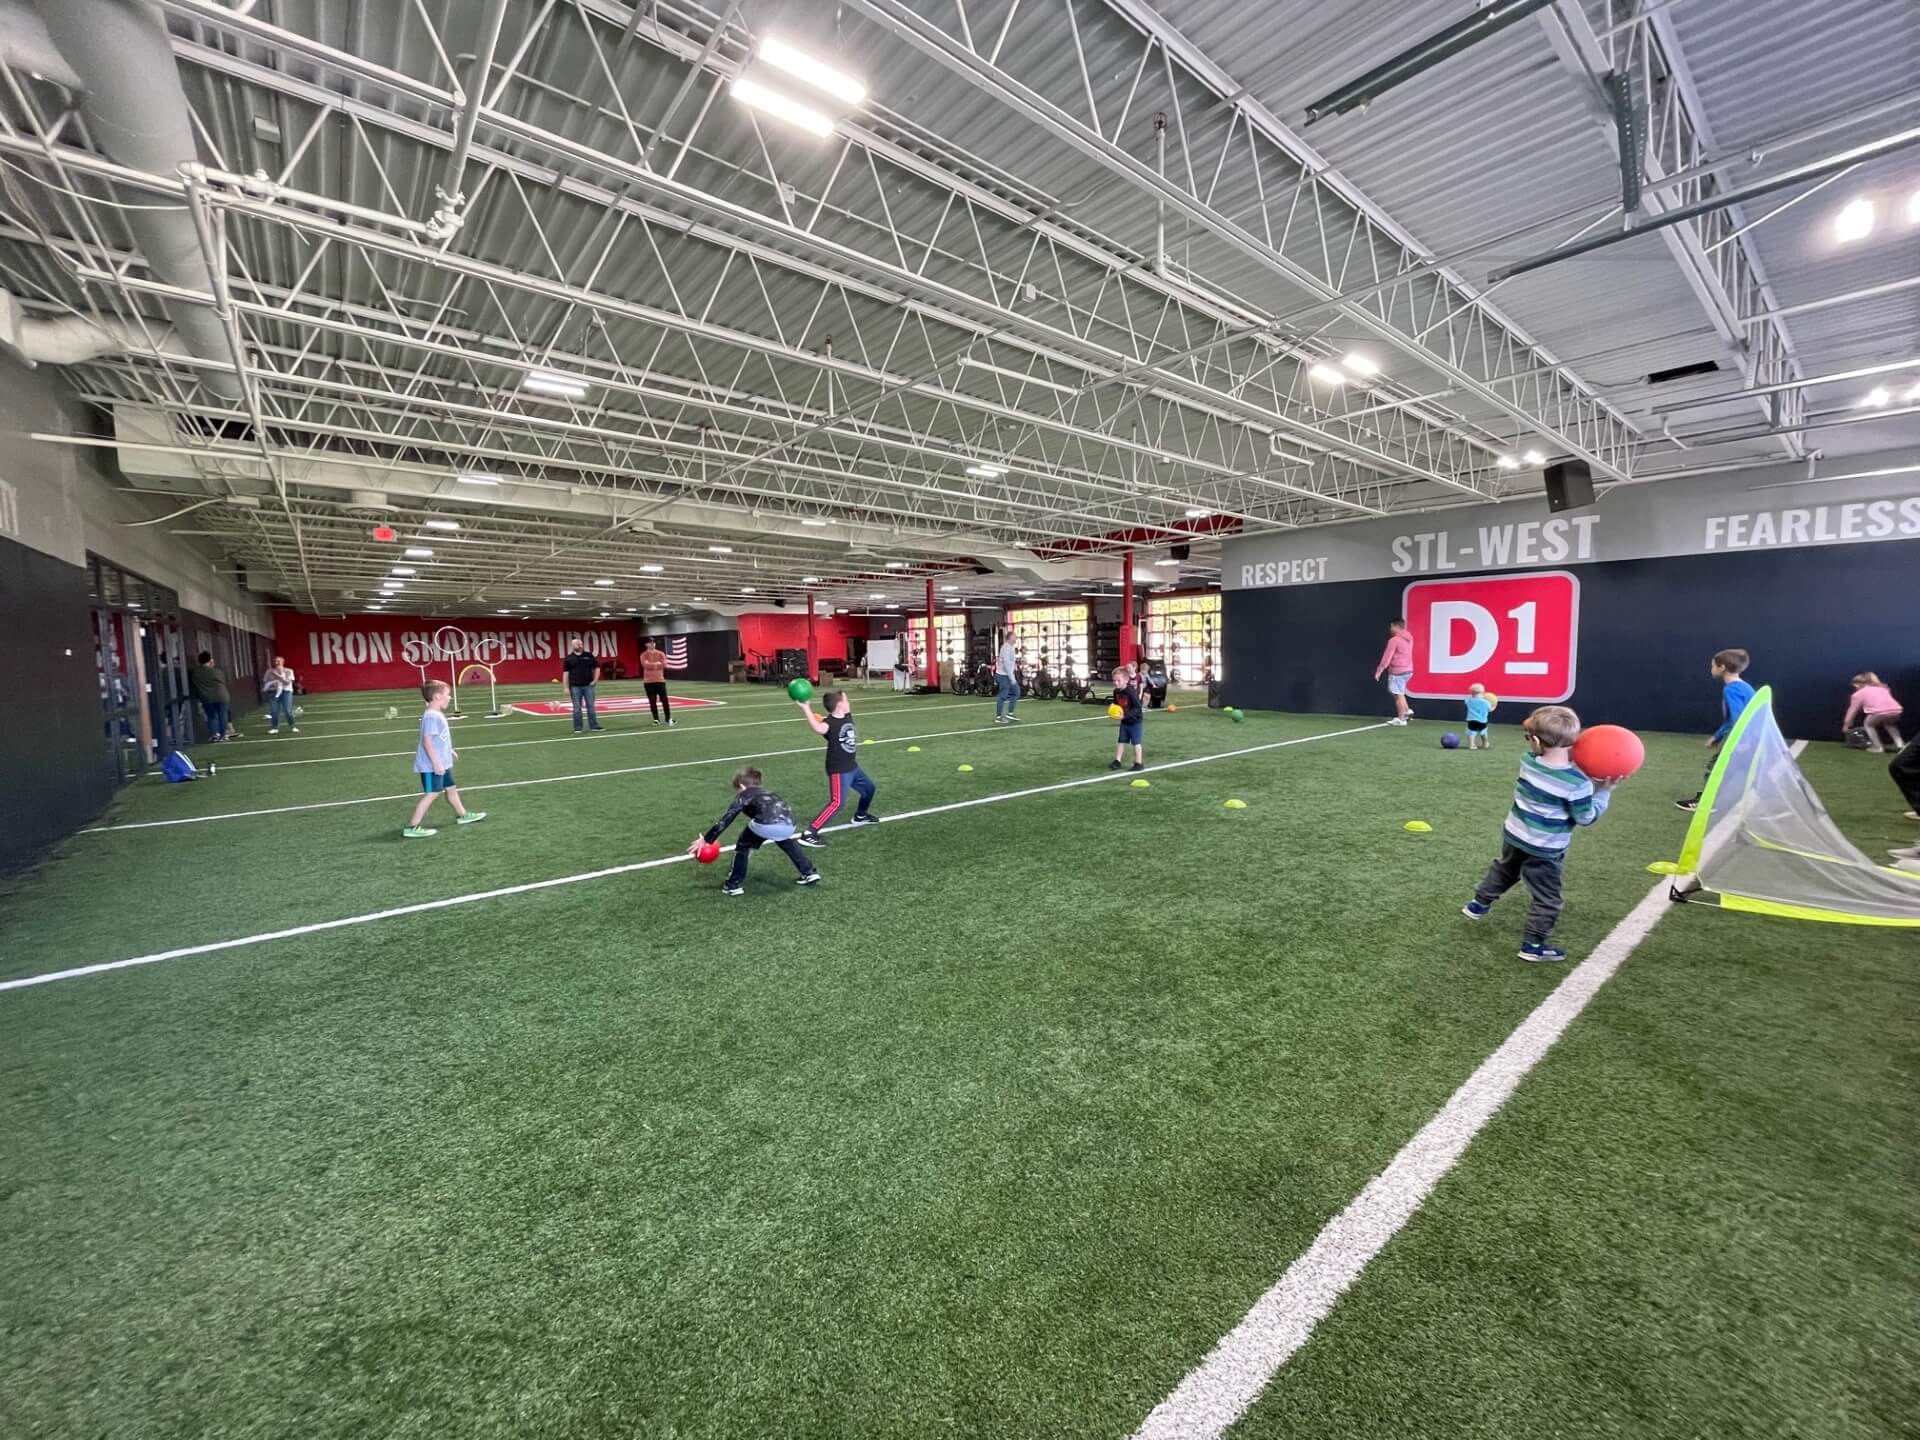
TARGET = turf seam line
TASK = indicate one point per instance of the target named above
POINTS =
(1234, 1374)
(448, 902)
(584, 775)
(624, 732)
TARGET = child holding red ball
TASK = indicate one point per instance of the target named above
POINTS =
(1553, 796)
(769, 819)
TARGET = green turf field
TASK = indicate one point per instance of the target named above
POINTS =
(993, 1133)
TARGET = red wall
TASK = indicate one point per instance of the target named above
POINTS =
(770, 634)
(384, 652)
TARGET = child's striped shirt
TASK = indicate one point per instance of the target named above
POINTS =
(1548, 803)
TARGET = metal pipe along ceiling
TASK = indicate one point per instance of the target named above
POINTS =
(137, 113)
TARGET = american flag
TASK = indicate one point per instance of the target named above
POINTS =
(676, 648)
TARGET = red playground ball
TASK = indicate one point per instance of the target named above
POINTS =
(1609, 752)
(707, 853)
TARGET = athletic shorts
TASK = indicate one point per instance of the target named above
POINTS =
(1397, 684)
(432, 783)
(1130, 731)
(1476, 726)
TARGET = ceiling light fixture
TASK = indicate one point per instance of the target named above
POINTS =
(1854, 222)
(1509, 462)
(809, 579)
(817, 73)
(1912, 395)
(875, 595)
(555, 382)
(896, 564)
(1168, 561)
(418, 552)
(746, 589)
(749, 91)
(1875, 398)
(475, 479)
(651, 569)
(949, 589)
(987, 472)
(441, 524)
(1533, 457)
(720, 549)
(569, 593)
(1360, 364)
(603, 583)
(1198, 514)
(403, 570)
(1326, 374)
(1913, 208)
(812, 522)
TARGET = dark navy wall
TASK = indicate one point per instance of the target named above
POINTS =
(1812, 618)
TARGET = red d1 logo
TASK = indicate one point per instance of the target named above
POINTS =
(1518, 635)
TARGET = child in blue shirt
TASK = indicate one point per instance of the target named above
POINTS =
(1479, 706)
(1552, 798)
(1727, 667)
(433, 763)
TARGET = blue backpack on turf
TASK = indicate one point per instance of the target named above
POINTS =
(178, 766)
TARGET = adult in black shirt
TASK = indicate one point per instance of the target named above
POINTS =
(583, 671)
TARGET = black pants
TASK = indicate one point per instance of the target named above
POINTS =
(1905, 769)
(752, 841)
(1542, 879)
(657, 701)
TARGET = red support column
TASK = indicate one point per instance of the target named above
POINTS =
(1127, 643)
(813, 650)
(933, 657)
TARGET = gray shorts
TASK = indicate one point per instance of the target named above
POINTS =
(1397, 684)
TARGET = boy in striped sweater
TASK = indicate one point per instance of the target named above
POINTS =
(1553, 795)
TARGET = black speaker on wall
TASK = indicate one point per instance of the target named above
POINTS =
(1180, 552)
(1569, 485)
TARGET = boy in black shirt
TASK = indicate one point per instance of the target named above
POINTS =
(768, 819)
(843, 765)
(1129, 697)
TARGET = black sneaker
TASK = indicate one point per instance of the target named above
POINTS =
(812, 877)
(732, 889)
(1115, 765)
(811, 839)
(1136, 766)
(867, 819)
(1693, 804)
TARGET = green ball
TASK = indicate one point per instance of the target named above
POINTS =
(1238, 715)
(800, 689)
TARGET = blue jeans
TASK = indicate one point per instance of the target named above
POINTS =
(280, 707)
(216, 713)
(583, 697)
(1006, 694)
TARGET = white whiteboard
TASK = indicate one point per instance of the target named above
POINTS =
(881, 654)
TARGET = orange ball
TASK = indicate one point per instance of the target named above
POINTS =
(1609, 752)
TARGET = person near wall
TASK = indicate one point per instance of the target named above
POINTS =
(653, 675)
(209, 685)
(277, 686)
(1396, 663)
(583, 673)
(902, 667)
(1006, 682)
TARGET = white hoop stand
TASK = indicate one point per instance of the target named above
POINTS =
(450, 643)
(493, 689)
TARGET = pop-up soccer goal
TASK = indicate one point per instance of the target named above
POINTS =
(1775, 850)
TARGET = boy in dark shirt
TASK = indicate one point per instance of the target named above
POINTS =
(843, 765)
(1129, 698)
(768, 819)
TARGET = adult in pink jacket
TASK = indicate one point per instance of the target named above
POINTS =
(1396, 663)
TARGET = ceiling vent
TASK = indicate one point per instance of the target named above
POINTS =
(368, 502)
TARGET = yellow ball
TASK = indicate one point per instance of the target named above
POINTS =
(1491, 698)
(1114, 712)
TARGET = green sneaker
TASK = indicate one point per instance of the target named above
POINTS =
(472, 817)
(418, 832)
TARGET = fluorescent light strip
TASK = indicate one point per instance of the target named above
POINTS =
(802, 66)
(440, 524)
(553, 382)
(474, 479)
(804, 117)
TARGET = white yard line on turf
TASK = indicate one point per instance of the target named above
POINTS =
(1217, 1392)
(625, 733)
(813, 749)
(214, 946)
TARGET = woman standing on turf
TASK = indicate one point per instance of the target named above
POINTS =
(278, 685)
(1396, 663)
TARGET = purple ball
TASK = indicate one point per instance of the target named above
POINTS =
(1449, 741)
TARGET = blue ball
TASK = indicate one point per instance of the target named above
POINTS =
(1449, 741)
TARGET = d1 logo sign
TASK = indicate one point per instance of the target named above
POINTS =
(1518, 635)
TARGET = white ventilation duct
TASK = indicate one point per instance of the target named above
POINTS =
(122, 57)
(73, 339)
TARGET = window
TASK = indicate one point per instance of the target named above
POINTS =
(1051, 638)
(949, 643)
(1184, 631)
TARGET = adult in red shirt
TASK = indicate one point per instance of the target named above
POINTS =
(1396, 663)
(653, 674)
